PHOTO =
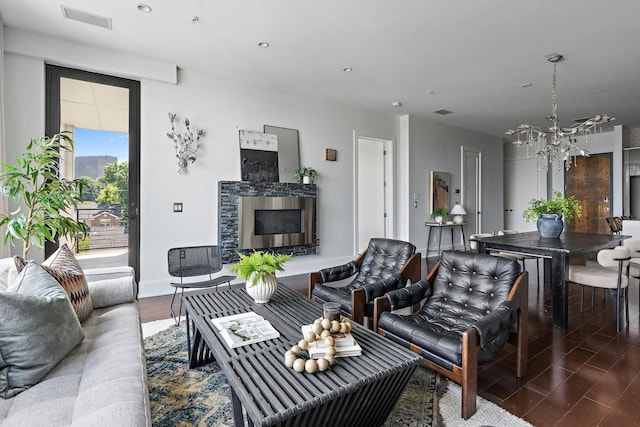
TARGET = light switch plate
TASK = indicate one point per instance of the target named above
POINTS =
(177, 207)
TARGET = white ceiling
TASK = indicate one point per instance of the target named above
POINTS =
(473, 54)
(95, 106)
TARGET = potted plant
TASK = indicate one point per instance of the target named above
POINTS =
(549, 214)
(439, 214)
(258, 269)
(46, 197)
(305, 175)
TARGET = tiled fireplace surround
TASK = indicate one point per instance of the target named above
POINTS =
(228, 193)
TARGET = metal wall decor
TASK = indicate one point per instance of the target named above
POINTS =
(186, 144)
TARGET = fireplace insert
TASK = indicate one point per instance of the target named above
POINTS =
(272, 222)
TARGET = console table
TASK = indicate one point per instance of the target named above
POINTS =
(440, 226)
(356, 391)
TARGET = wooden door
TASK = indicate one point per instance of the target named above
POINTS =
(589, 180)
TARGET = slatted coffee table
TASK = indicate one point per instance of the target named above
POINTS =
(356, 391)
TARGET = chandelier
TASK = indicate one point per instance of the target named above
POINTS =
(558, 142)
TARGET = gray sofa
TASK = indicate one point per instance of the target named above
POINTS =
(103, 381)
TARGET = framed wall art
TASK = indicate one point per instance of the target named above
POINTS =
(258, 157)
(440, 183)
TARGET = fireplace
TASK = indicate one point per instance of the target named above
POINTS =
(274, 222)
(276, 216)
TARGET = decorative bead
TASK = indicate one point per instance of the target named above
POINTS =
(298, 365)
(311, 366)
(320, 330)
(323, 364)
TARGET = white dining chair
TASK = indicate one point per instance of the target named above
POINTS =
(612, 272)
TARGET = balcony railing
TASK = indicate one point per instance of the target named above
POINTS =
(108, 227)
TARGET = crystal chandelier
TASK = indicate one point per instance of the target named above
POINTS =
(558, 142)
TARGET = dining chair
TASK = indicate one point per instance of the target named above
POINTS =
(612, 272)
(473, 244)
(521, 257)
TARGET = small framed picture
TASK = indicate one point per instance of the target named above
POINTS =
(330, 154)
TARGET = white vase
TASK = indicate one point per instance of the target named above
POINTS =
(262, 290)
(438, 219)
(306, 179)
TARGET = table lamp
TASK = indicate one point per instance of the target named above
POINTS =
(458, 211)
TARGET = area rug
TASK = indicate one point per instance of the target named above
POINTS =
(201, 397)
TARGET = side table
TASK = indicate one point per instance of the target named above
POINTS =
(440, 226)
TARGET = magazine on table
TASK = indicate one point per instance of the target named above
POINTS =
(245, 328)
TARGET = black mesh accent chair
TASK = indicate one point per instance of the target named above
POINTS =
(474, 304)
(193, 261)
(386, 265)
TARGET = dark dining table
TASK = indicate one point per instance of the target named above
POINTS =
(556, 253)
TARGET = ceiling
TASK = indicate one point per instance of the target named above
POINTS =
(469, 57)
(95, 106)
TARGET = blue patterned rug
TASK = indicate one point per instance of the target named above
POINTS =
(201, 397)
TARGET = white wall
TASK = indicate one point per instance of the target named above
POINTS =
(222, 108)
(434, 146)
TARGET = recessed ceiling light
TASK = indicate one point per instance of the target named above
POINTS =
(396, 104)
(430, 92)
(263, 45)
(347, 69)
(143, 7)
(526, 85)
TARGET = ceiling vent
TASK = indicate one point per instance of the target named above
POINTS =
(87, 18)
(443, 112)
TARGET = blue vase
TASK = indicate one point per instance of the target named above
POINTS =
(550, 225)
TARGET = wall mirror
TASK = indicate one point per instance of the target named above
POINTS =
(288, 154)
(440, 183)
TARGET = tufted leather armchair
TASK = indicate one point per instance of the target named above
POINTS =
(386, 265)
(473, 301)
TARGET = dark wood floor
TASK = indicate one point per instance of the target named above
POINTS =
(587, 375)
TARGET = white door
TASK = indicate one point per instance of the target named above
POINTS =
(472, 189)
(372, 198)
(521, 184)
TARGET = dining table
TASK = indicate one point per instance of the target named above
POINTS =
(556, 253)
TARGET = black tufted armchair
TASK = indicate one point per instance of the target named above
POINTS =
(386, 265)
(473, 303)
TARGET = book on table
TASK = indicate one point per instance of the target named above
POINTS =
(244, 328)
(345, 345)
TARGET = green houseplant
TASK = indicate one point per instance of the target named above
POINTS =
(46, 198)
(441, 213)
(549, 214)
(258, 269)
(310, 174)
